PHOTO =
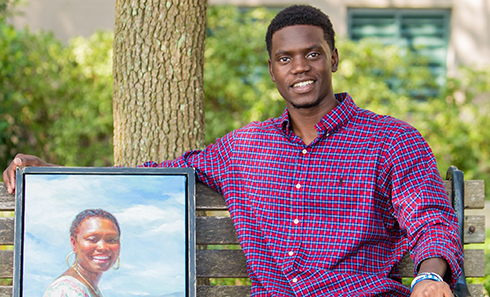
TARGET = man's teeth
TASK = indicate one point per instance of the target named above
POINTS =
(303, 84)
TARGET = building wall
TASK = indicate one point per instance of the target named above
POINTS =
(469, 38)
(67, 18)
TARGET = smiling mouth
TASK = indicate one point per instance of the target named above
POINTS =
(101, 259)
(303, 84)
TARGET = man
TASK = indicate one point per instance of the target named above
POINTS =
(327, 198)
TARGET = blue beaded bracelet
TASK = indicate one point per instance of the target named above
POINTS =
(425, 276)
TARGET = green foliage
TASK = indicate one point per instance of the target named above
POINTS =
(381, 78)
(83, 130)
(55, 99)
(455, 123)
(237, 85)
(7, 8)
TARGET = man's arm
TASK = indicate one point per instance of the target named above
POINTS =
(20, 160)
(422, 208)
(430, 287)
(436, 265)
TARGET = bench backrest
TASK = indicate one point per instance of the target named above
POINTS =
(220, 263)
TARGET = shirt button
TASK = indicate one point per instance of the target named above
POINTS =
(295, 280)
(304, 152)
(290, 253)
(296, 221)
(298, 186)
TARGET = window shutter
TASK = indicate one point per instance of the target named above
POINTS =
(424, 31)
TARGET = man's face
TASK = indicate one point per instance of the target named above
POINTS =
(301, 65)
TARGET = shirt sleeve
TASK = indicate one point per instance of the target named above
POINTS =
(420, 203)
(211, 164)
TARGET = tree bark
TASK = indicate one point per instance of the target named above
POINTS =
(158, 78)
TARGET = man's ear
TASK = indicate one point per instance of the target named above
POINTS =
(271, 72)
(335, 60)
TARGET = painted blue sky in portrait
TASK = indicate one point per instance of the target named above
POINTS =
(150, 210)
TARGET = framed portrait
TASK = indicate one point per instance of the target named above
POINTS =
(105, 232)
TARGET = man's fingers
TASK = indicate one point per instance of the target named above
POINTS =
(18, 161)
(7, 178)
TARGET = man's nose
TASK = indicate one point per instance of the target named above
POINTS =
(300, 65)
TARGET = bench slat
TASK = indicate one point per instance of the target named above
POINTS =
(220, 230)
(7, 231)
(6, 264)
(231, 263)
(223, 291)
(474, 196)
(476, 290)
(7, 201)
(220, 263)
(207, 199)
(474, 193)
(215, 230)
(6, 291)
(474, 229)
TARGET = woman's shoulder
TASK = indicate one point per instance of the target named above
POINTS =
(67, 286)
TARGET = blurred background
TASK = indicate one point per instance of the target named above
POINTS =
(426, 62)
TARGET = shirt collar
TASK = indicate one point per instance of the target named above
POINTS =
(332, 121)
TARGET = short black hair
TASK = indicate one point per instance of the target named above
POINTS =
(91, 213)
(301, 15)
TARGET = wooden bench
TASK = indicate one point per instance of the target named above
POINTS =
(218, 255)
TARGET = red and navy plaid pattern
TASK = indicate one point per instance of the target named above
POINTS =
(333, 218)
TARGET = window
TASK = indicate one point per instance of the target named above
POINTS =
(424, 31)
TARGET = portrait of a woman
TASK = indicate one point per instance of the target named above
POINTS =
(95, 243)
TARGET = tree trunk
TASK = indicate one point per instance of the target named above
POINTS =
(158, 77)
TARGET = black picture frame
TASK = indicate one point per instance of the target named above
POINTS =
(154, 207)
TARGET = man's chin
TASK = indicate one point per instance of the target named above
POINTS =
(306, 105)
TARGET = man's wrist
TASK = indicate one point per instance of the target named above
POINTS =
(426, 276)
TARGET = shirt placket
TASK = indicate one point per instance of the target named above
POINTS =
(296, 217)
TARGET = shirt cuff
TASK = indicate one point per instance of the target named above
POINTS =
(440, 242)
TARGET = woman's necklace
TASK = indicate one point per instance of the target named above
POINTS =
(91, 287)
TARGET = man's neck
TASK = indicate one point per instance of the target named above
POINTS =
(304, 120)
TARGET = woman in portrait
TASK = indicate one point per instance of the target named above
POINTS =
(94, 237)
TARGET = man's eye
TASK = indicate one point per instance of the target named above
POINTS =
(314, 55)
(283, 59)
(92, 239)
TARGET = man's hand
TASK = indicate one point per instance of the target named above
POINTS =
(20, 160)
(431, 288)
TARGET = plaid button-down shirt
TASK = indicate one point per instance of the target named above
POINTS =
(335, 217)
